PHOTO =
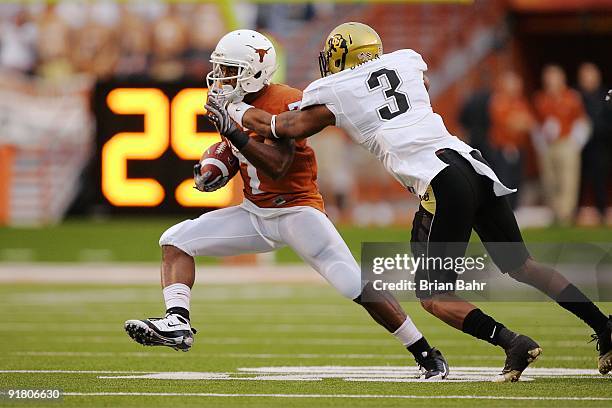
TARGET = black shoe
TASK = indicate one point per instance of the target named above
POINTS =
(173, 331)
(433, 365)
(522, 352)
(604, 346)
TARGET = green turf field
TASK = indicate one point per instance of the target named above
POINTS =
(136, 240)
(263, 345)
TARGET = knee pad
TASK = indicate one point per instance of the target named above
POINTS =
(168, 236)
(344, 279)
(171, 237)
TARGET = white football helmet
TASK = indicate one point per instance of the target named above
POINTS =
(243, 62)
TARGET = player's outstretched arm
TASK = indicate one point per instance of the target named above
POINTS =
(274, 157)
(291, 124)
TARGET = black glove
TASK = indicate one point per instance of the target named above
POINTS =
(204, 183)
(219, 116)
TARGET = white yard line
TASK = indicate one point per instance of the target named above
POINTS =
(71, 372)
(353, 372)
(407, 370)
(395, 374)
(376, 396)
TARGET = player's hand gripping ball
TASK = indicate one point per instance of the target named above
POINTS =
(216, 167)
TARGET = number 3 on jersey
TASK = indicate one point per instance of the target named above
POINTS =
(402, 103)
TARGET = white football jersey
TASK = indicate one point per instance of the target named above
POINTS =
(384, 106)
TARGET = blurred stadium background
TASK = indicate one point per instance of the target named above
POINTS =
(60, 61)
(65, 67)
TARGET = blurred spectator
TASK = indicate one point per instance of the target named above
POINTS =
(135, 46)
(562, 131)
(170, 42)
(474, 117)
(279, 18)
(597, 153)
(207, 28)
(511, 122)
(17, 40)
(53, 47)
(96, 49)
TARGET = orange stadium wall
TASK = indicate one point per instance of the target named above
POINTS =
(6, 168)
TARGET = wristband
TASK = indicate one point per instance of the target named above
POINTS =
(238, 138)
(273, 126)
(237, 111)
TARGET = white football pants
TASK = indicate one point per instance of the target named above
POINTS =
(235, 230)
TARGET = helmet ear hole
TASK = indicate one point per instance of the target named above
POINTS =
(257, 75)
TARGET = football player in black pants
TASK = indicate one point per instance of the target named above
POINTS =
(464, 200)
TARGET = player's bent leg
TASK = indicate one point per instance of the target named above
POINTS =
(174, 330)
(572, 299)
(316, 240)
(224, 232)
(384, 308)
(496, 223)
(520, 350)
(449, 308)
(441, 236)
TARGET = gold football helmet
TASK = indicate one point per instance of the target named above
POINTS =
(347, 46)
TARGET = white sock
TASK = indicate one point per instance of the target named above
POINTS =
(177, 295)
(407, 333)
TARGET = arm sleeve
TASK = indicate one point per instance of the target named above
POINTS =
(415, 59)
(319, 93)
(310, 96)
(420, 63)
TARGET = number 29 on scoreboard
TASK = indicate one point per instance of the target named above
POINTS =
(168, 124)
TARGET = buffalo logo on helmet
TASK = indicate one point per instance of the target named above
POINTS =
(339, 42)
(260, 51)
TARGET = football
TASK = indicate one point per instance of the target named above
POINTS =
(220, 161)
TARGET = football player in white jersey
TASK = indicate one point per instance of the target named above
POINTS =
(282, 206)
(381, 100)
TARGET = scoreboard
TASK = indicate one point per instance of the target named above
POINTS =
(149, 136)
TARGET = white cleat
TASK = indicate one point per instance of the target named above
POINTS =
(173, 331)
